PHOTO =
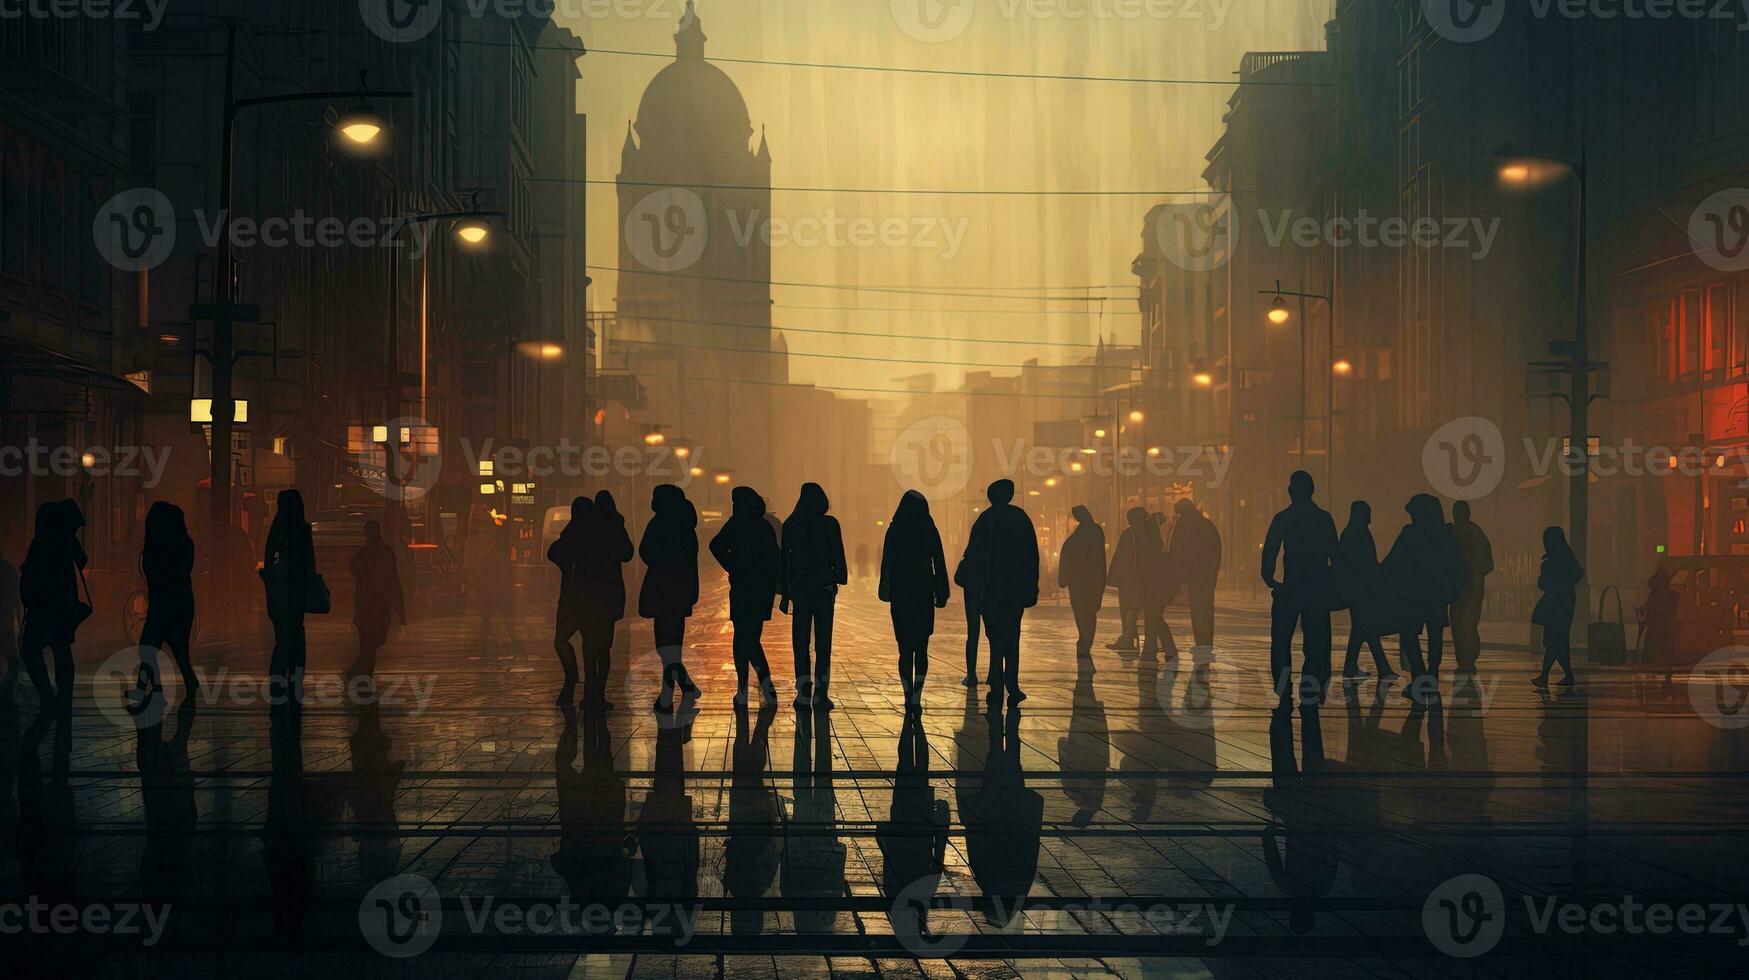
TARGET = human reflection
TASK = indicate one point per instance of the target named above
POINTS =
(1302, 847)
(285, 841)
(167, 793)
(1467, 751)
(48, 832)
(667, 835)
(813, 860)
(1084, 753)
(1003, 824)
(595, 842)
(1187, 728)
(913, 839)
(750, 855)
(1560, 738)
(376, 780)
(1143, 758)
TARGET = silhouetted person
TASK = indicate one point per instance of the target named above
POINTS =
(1003, 824)
(813, 569)
(590, 553)
(913, 838)
(172, 817)
(1424, 574)
(1159, 585)
(288, 568)
(1559, 577)
(1658, 621)
(1127, 576)
(49, 586)
(1195, 558)
(667, 834)
(492, 579)
(376, 582)
(167, 563)
(1081, 570)
(47, 827)
(914, 583)
(1359, 585)
(1001, 567)
(1304, 537)
(973, 627)
(11, 615)
(747, 549)
(1476, 554)
(750, 852)
(669, 550)
(595, 842)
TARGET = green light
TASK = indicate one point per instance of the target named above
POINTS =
(1660, 549)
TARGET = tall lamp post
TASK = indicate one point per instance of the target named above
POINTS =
(1523, 172)
(1279, 314)
(358, 127)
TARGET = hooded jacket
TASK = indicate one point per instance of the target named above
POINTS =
(1081, 569)
(913, 566)
(813, 546)
(1000, 567)
(670, 553)
(747, 549)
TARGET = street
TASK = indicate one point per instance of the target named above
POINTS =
(1162, 838)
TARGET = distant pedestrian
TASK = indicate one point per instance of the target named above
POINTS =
(1194, 555)
(1303, 537)
(167, 563)
(813, 569)
(491, 579)
(49, 585)
(590, 554)
(914, 582)
(1658, 621)
(377, 593)
(1001, 570)
(747, 549)
(1127, 575)
(1081, 570)
(1160, 581)
(1424, 575)
(862, 560)
(1476, 554)
(669, 550)
(288, 570)
(1557, 581)
(1359, 585)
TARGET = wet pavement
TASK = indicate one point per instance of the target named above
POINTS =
(1129, 819)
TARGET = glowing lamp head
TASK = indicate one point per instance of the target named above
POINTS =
(361, 126)
(1343, 368)
(722, 479)
(1136, 416)
(551, 352)
(696, 471)
(1278, 311)
(655, 439)
(472, 232)
(682, 452)
(1099, 433)
(1203, 379)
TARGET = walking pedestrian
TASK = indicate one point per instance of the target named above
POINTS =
(747, 549)
(913, 581)
(813, 569)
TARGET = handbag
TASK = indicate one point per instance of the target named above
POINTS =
(1607, 642)
(317, 598)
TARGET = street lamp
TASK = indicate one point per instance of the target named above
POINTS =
(361, 124)
(1278, 311)
(1342, 368)
(1519, 171)
(1203, 379)
(1279, 314)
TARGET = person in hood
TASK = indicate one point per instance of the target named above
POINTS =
(1194, 555)
(1126, 576)
(288, 572)
(669, 550)
(376, 595)
(746, 547)
(1081, 570)
(913, 583)
(1000, 570)
(167, 563)
(813, 569)
(1557, 580)
(49, 586)
(1426, 574)
(590, 553)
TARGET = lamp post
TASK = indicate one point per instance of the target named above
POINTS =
(358, 127)
(1279, 314)
(1522, 172)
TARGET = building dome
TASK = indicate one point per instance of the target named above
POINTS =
(692, 106)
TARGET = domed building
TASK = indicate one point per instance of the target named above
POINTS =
(694, 293)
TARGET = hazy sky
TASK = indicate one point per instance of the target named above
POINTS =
(832, 128)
